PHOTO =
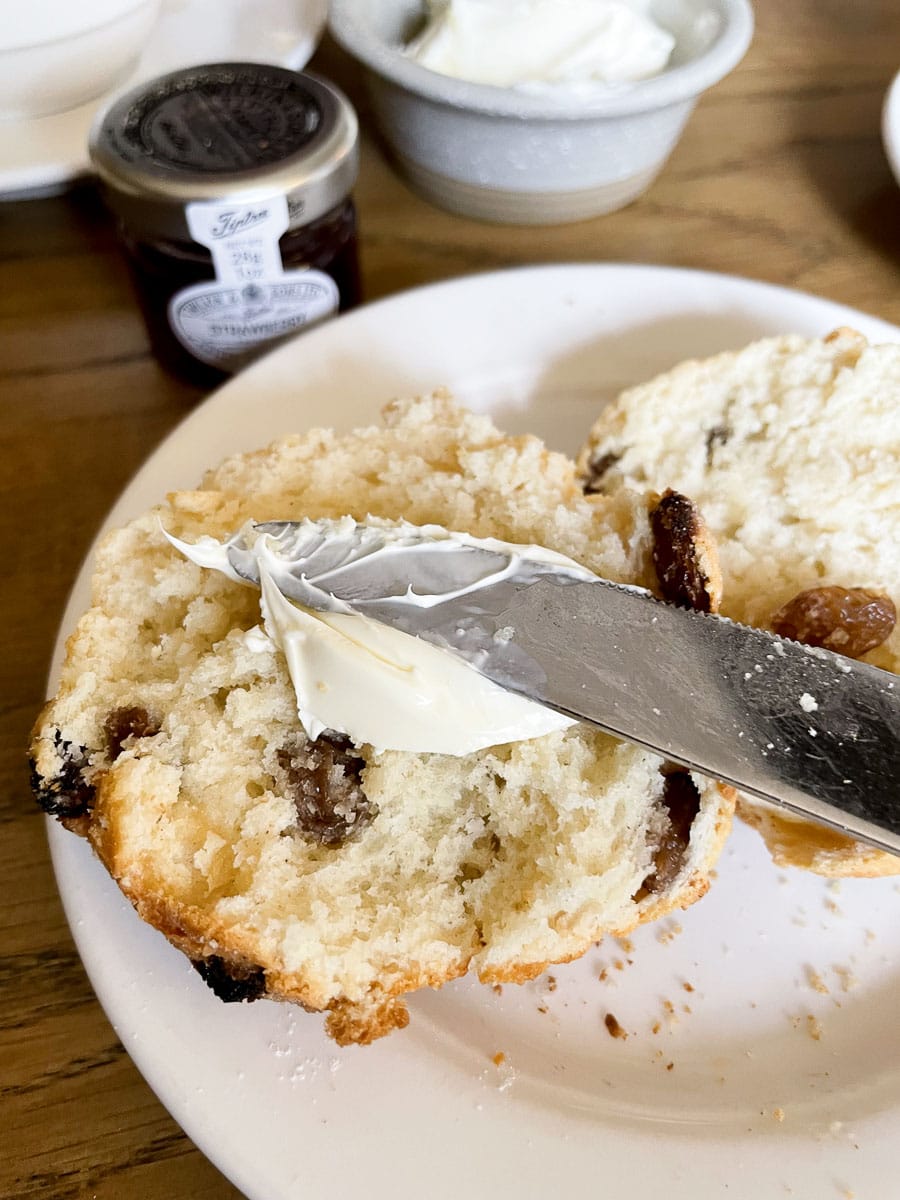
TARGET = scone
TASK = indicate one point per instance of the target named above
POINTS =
(791, 448)
(326, 872)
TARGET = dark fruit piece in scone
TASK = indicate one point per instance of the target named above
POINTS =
(67, 795)
(684, 554)
(681, 800)
(231, 982)
(323, 778)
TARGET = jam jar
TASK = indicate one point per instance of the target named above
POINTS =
(232, 187)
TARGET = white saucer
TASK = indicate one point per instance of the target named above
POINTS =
(49, 153)
(890, 125)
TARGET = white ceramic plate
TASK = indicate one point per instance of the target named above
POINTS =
(774, 999)
(890, 125)
(48, 153)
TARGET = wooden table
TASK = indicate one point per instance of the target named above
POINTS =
(780, 176)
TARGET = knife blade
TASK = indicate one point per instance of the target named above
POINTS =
(798, 726)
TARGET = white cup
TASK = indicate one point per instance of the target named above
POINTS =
(58, 54)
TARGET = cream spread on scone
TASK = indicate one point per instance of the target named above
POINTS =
(378, 685)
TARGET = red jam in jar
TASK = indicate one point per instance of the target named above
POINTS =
(232, 187)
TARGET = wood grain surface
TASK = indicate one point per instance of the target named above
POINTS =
(780, 176)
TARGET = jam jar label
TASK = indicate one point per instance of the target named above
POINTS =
(252, 301)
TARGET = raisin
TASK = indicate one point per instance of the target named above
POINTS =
(717, 436)
(850, 621)
(323, 778)
(123, 723)
(68, 795)
(684, 554)
(681, 799)
(231, 982)
(597, 469)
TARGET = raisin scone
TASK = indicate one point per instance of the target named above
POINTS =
(322, 871)
(791, 449)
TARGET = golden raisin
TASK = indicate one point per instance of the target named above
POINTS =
(849, 621)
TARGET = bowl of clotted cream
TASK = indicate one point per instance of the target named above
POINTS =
(537, 111)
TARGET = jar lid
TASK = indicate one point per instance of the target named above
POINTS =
(238, 132)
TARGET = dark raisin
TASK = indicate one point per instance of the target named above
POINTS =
(323, 778)
(123, 723)
(849, 621)
(717, 436)
(597, 469)
(68, 794)
(684, 554)
(681, 799)
(231, 982)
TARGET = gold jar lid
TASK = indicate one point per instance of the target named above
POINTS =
(226, 132)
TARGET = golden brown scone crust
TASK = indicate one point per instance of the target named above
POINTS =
(796, 843)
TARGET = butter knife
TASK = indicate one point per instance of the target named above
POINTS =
(800, 727)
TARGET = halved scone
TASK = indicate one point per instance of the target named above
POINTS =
(323, 871)
(791, 449)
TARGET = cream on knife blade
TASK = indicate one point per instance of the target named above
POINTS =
(723, 699)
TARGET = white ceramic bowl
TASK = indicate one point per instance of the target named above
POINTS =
(503, 154)
(57, 54)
